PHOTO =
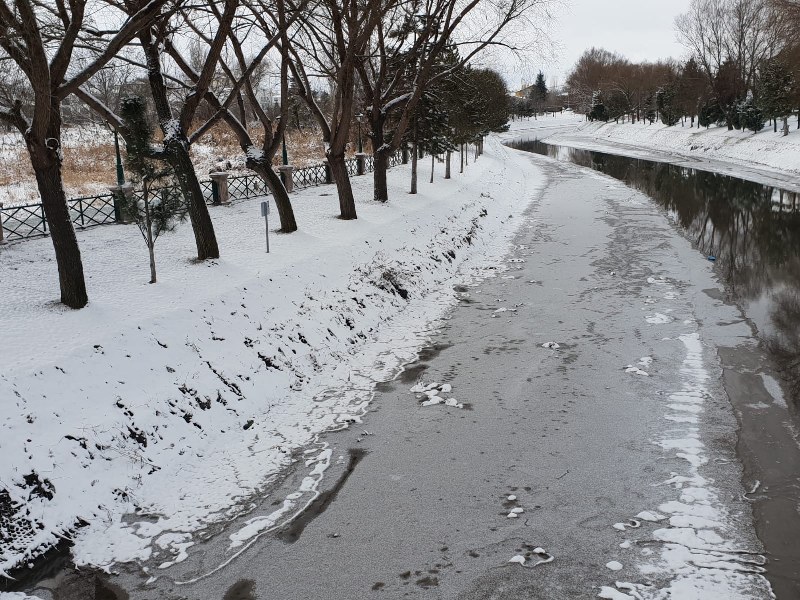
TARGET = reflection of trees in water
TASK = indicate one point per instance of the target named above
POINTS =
(785, 342)
(756, 241)
(753, 230)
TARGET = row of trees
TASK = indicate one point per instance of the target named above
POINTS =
(403, 64)
(744, 69)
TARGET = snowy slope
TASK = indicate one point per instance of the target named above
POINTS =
(158, 410)
(766, 151)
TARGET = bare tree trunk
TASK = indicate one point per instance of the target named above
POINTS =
(178, 157)
(448, 156)
(176, 146)
(433, 164)
(46, 163)
(347, 202)
(381, 162)
(785, 126)
(380, 154)
(279, 193)
(414, 159)
(151, 243)
(462, 158)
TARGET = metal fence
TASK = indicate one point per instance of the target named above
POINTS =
(28, 220)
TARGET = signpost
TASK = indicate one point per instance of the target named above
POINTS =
(265, 214)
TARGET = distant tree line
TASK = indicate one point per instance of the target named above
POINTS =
(744, 70)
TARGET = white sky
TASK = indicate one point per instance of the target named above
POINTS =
(637, 29)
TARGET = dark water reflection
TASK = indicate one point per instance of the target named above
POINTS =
(753, 230)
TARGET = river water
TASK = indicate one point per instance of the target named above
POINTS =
(751, 231)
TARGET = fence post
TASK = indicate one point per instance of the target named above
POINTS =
(286, 177)
(219, 188)
(44, 218)
(119, 192)
(1, 223)
(361, 163)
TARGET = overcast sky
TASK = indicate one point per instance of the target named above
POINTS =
(637, 29)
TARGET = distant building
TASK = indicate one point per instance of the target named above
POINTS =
(525, 91)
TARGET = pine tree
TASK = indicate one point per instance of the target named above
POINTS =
(749, 115)
(541, 87)
(432, 126)
(711, 113)
(598, 111)
(156, 215)
(692, 89)
(776, 90)
(666, 102)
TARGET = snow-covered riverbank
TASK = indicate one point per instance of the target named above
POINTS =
(158, 410)
(751, 155)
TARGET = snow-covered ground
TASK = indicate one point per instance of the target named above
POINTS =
(737, 152)
(158, 409)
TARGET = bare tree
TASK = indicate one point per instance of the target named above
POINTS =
(40, 39)
(730, 35)
(239, 72)
(590, 74)
(155, 43)
(405, 51)
(176, 128)
(326, 46)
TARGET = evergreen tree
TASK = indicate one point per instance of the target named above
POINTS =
(692, 89)
(538, 93)
(729, 88)
(667, 104)
(710, 113)
(434, 134)
(598, 110)
(749, 115)
(153, 215)
(776, 91)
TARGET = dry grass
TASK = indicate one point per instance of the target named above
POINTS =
(90, 165)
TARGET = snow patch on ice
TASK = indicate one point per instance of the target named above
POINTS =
(610, 593)
(698, 555)
(636, 371)
(657, 319)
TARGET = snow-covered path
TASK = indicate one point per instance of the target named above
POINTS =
(593, 454)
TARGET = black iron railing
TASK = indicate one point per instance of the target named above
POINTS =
(28, 220)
